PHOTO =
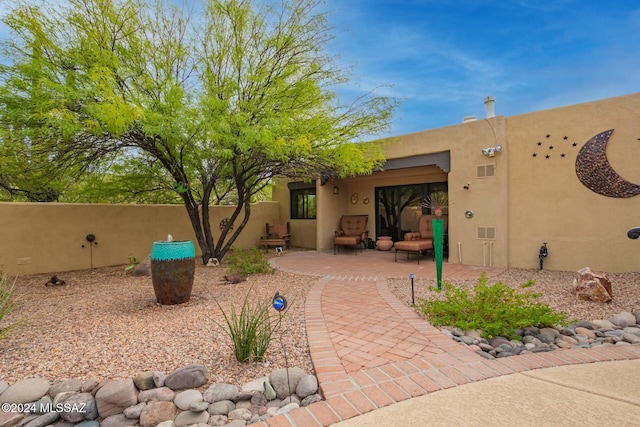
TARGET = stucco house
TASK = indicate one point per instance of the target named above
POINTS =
(568, 177)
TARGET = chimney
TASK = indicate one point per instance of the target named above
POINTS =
(468, 119)
(489, 106)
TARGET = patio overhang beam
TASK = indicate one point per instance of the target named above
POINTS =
(441, 160)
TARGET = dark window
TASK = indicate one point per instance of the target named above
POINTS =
(303, 203)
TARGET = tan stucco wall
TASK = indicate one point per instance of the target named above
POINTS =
(486, 197)
(547, 202)
(42, 238)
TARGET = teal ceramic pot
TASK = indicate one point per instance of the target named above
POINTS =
(173, 265)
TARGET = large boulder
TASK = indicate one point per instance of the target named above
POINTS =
(591, 286)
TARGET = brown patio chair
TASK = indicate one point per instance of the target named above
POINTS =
(420, 241)
(352, 232)
(277, 235)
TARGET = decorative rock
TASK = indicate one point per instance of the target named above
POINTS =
(254, 386)
(133, 412)
(75, 407)
(244, 404)
(291, 399)
(166, 424)
(157, 412)
(185, 398)
(158, 378)
(162, 394)
(603, 324)
(222, 407)
(25, 391)
(117, 420)
(287, 408)
(217, 420)
(144, 380)
(44, 420)
(91, 410)
(62, 397)
(116, 395)
(3, 386)
(623, 319)
(310, 399)
(68, 385)
(588, 332)
(259, 399)
(240, 414)
(285, 383)
(188, 418)
(632, 330)
(88, 386)
(496, 341)
(269, 392)
(191, 376)
(221, 391)
(88, 424)
(42, 406)
(236, 423)
(591, 286)
(10, 419)
(198, 406)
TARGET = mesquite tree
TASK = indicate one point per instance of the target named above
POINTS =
(207, 103)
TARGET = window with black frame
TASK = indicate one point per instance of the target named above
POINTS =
(303, 203)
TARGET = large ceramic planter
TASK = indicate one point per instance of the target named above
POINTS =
(173, 265)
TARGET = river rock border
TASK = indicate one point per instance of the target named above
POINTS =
(621, 329)
(153, 399)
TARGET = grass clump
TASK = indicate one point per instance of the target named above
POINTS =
(244, 262)
(7, 304)
(497, 310)
(250, 330)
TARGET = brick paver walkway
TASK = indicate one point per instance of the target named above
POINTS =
(369, 350)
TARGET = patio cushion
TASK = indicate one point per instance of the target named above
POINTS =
(413, 245)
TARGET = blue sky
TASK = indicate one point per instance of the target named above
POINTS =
(441, 58)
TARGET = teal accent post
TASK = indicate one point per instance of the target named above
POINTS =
(438, 241)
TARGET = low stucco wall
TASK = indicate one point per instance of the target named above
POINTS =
(44, 238)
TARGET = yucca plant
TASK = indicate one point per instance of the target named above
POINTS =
(251, 330)
(7, 303)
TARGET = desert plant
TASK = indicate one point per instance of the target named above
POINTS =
(252, 329)
(248, 261)
(133, 261)
(7, 303)
(498, 310)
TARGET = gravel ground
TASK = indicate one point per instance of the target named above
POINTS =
(555, 287)
(105, 324)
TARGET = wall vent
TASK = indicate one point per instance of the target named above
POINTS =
(486, 170)
(486, 233)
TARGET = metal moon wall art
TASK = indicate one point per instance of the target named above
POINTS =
(595, 172)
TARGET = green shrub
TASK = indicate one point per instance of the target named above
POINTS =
(7, 303)
(247, 261)
(252, 329)
(496, 310)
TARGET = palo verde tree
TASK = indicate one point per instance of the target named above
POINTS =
(207, 103)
